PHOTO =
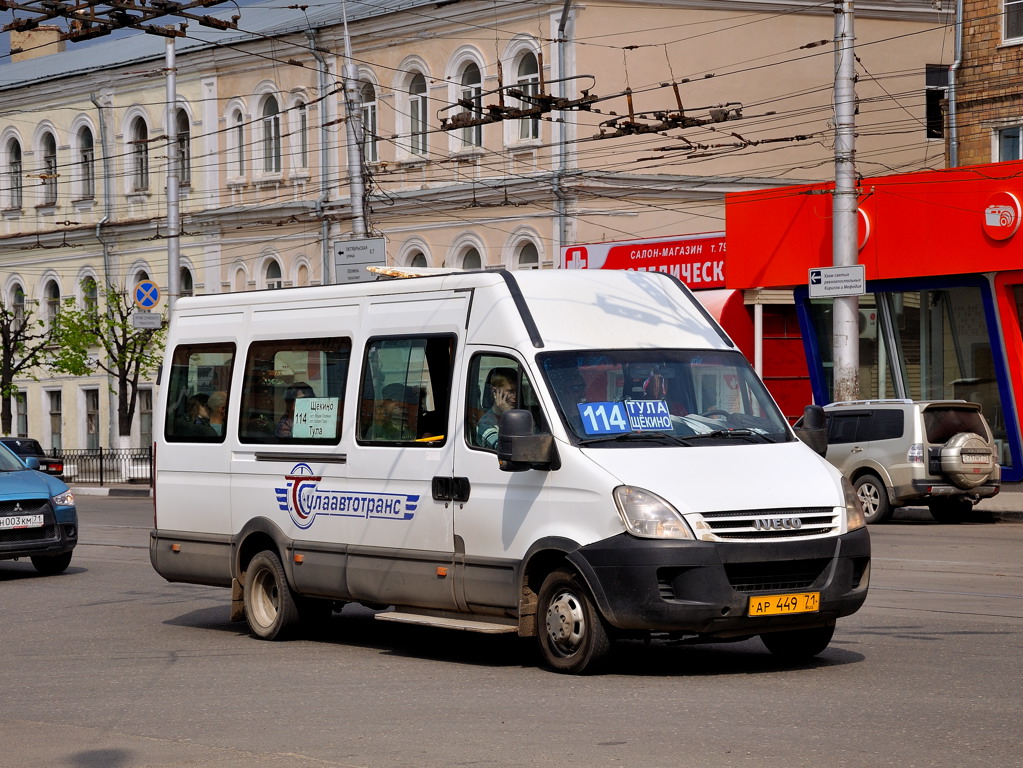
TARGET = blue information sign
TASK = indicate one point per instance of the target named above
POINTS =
(629, 416)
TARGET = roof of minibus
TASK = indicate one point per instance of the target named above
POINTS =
(565, 309)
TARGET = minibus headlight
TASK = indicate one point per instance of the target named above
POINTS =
(66, 499)
(853, 509)
(648, 515)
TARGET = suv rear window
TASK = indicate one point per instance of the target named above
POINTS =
(942, 423)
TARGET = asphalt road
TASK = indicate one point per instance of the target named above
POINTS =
(109, 666)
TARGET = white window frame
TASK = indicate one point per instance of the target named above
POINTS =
(1012, 16)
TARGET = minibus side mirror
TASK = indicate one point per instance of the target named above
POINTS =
(813, 429)
(520, 446)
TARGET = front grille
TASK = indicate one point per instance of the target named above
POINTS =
(772, 576)
(761, 524)
(47, 532)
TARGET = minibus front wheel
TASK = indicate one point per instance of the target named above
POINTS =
(270, 606)
(571, 631)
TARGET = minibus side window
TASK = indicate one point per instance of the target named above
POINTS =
(293, 391)
(496, 383)
(200, 378)
(406, 388)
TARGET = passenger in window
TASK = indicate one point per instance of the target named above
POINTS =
(291, 394)
(391, 419)
(217, 406)
(503, 386)
(198, 414)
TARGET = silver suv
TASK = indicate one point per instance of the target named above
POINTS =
(898, 452)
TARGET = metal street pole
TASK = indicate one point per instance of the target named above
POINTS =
(845, 314)
(354, 135)
(173, 213)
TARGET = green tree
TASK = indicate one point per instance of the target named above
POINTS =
(24, 339)
(126, 353)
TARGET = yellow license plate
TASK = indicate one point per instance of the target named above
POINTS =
(777, 605)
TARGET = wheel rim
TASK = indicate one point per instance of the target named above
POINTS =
(566, 624)
(869, 498)
(266, 600)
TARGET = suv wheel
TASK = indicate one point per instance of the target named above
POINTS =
(951, 510)
(873, 498)
(956, 462)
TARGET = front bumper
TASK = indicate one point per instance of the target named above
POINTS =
(704, 588)
(57, 535)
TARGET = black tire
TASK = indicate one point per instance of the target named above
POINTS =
(570, 629)
(955, 509)
(798, 644)
(873, 498)
(50, 565)
(271, 609)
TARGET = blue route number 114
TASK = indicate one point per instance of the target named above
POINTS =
(611, 418)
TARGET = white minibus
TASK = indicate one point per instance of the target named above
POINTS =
(578, 456)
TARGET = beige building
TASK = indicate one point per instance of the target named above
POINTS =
(494, 134)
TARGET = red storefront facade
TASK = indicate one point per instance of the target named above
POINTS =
(943, 259)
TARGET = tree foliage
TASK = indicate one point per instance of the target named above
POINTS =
(24, 339)
(127, 353)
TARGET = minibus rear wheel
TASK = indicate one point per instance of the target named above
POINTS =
(270, 606)
(571, 630)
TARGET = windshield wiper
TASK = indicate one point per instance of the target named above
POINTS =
(740, 432)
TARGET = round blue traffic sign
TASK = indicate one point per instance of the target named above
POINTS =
(147, 294)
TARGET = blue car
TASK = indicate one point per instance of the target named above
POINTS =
(38, 518)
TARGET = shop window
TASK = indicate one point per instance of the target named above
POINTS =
(293, 391)
(406, 386)
(199, 373)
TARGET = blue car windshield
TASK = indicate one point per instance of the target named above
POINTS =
(8, 461)
(682, 395)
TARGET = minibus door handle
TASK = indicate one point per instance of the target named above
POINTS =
(451, 488)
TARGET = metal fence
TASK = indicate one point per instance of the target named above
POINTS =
(108, 466)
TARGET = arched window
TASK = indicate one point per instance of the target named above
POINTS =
(300, 140)
(140, 155)
(51, 299)
(238, 134)
(472, 93)
(528, 256)
(273, 275)
(303, 275)
(15, 172)
(419, 260)
(90, 294)
(184, 156)
(418, 137)
(370, 151)
(49, 169)
(86, 163)
(271, 121)
(528, 81)
(18, 305)
(187, 287)
(471, 259)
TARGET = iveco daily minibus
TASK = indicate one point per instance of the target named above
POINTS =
(576, 456)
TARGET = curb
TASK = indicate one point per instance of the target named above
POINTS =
(87, 490)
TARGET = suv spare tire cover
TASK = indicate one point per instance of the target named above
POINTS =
(959, 472)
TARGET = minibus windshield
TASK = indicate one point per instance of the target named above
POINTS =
(667, 396)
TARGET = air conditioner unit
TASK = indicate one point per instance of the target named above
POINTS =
(868, 323)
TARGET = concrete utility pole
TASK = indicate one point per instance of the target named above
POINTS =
(354, 136)
(173, 211)
(844, 235)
